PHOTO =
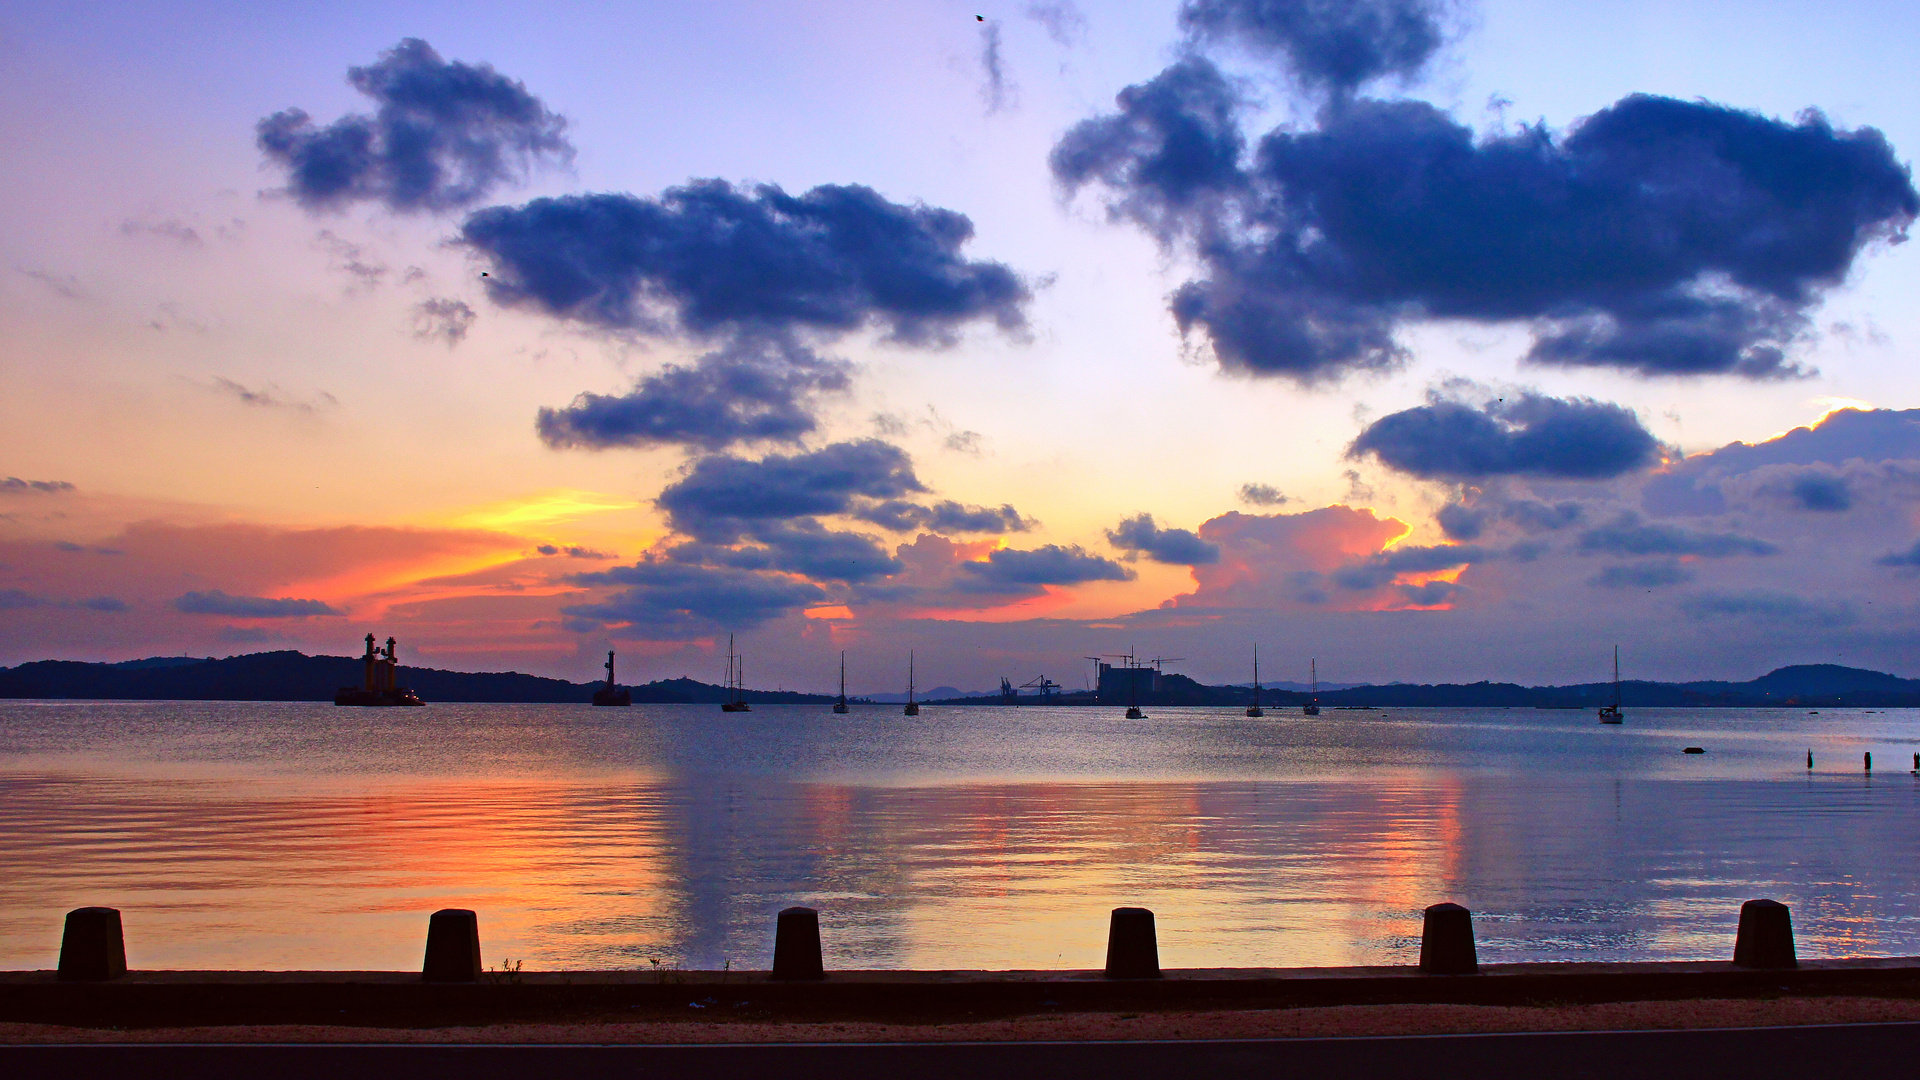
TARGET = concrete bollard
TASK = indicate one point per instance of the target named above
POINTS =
(453, 947)
(796, 945)
(1133, 952)
(92, 948)
(1765, 939)
(1446, 941)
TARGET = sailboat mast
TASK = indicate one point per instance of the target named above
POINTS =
(909, 676)
(1256, 676)
(1616, 678)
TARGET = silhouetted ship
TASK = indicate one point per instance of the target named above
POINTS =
(840, 705)
(381, 683)
(1312, 707)
(736, 691)
(611, 694)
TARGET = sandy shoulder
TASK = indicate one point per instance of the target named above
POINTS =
(1351, 1020)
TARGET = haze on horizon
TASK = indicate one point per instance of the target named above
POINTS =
(1437, 341)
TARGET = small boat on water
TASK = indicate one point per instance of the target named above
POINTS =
(840, 705)
(913, 707)
(1610, 714)
(1255, 709)
(611, 694)
(1312, 707)
(380, 686)
(735, 692)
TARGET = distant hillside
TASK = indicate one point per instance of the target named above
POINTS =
(294, 676)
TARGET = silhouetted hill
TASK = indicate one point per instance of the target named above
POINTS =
(294, 676)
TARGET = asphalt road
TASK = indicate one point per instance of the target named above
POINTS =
(1747, 1054)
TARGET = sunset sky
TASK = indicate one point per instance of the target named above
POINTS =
(1438, 342)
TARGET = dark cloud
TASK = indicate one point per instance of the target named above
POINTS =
(1169, 156)
(1874, 435)
(754, 389)
(665, 598)
(1628, 535)
(1380, 569)
(572, 552)
(1063, 20)
(1821, 492)
(13, 485)
(944, 517)
(1138, 535)
(215, 602)
(1261, 495)
(444, 137)
(1647, 575)
(712, 258)
(16, 599)
(1011, 570)
(1461, 521)
(722, 496)
(441, 319)
(1332, 46)
(997, 91)
(104, 603)
(1764, 606)
(1428, 594)
(798, 547)
(1533, 435)
(1658, 236)
(1909, 557)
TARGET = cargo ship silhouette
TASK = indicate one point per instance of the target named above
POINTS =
(381, 686)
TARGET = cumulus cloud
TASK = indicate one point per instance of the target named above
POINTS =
(1330, 46)
(667, 599)
(215, 602)
(13, 485)
(1909, 557)
(1467, 521)
(442, 319)
(946, 516)
(722, 495)
(1261, 495)
(444, 137)
(753, 389)
(1629, 535)
(572, 552)
(1657, 236)
(1009, 569)
(1382, 568)
(1533, 435)
(711, 258)
(1821, 492)
(1139, 535)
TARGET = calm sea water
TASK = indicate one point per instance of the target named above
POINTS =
(310, 837)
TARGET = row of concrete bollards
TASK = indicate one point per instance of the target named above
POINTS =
(93, 948)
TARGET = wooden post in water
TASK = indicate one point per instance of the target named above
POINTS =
(92, 947)
(1446, 941)
(1133, 951)
(1869, 761)
(453, 947)
(1765, 939)
(796, 945)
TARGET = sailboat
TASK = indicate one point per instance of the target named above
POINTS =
(734, 681)
(913, 707)
(1610, 714)
(1255, 709)
(1133, 690)
(1312, 707)
(840, 706)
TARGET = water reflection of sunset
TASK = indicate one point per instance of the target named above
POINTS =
(303, 837)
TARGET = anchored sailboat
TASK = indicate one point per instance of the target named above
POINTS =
(1255, 709)
(1610, 714)
(735, 684)
(1312, 707)
(840, 706)
(913, 707)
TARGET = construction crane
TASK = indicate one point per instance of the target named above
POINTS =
(1043, 684)
(1158, 660)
